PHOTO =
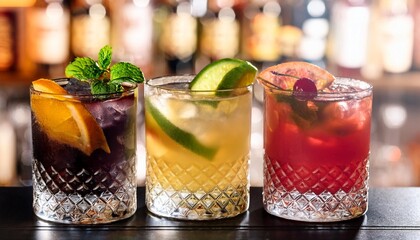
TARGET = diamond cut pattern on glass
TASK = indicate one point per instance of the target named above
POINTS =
(322, 194)
(83, 197)
(191, 192)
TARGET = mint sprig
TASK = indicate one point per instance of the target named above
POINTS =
(102, 77)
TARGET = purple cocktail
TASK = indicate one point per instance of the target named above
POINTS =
(84, 154)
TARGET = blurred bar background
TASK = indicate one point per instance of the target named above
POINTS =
(377, 41)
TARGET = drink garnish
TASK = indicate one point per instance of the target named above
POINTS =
(226, 73)
(102, 76)
(285, 75)
(71, 122)
(304, 89)
(304, 81)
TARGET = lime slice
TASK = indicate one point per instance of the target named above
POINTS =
(226, 73)
(186, 139)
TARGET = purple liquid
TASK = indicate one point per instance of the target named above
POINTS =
(70, 170)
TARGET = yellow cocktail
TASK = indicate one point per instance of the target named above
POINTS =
(198, 145)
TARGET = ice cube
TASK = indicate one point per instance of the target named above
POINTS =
(185, 110)
(227, 106)
(337, 110)
(342, 117)
(74, 86)
(174, 109)
(341, 86)
(110, 111)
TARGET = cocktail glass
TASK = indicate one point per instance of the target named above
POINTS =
(317, 152)
(73, 185)
(198, 146)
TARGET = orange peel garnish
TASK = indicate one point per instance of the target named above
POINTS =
(65, 119)
(284, 75)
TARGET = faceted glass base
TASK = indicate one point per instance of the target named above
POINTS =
(310, 207)
(72, 202)
(201, 191)
(199, 205)
(313, 205)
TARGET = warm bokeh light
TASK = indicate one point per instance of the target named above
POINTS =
(16, 3)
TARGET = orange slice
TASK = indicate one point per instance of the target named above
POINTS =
(321, 77)
(64, 119)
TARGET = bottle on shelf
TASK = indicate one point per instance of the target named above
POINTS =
(8, 39)
(90, 27)
(178, 36)
(349, 35)
(397, 34)
(132, 32)
(262, 34)
(416, 50)
(47, 36)
(220, 31)
(373, 68)
(8, 164)
(312, 17)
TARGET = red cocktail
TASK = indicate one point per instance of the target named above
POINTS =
(317, 151)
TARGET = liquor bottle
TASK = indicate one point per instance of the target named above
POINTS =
(7, 147)
(350, 28)
(8, 40)
(397, 34)
(90, 27)
(220, 31)
(132, 32)
(262, 32)
(373, 68)
(416, 14)
(178, 36)
(47, 35)
(312, 17)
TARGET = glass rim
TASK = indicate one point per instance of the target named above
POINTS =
(364, 89)
(186, 78)
(129, 88)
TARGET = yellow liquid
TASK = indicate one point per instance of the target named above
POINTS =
(224, 126)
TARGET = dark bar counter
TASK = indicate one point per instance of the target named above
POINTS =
(394, 213)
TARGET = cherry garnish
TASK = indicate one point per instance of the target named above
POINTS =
(304, 89)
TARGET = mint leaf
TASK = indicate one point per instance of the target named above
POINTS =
(83, 68)
(105, 57)
(101, 87)
(102, 77)
(126, 72)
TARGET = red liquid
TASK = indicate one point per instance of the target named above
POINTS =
(329, 152)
